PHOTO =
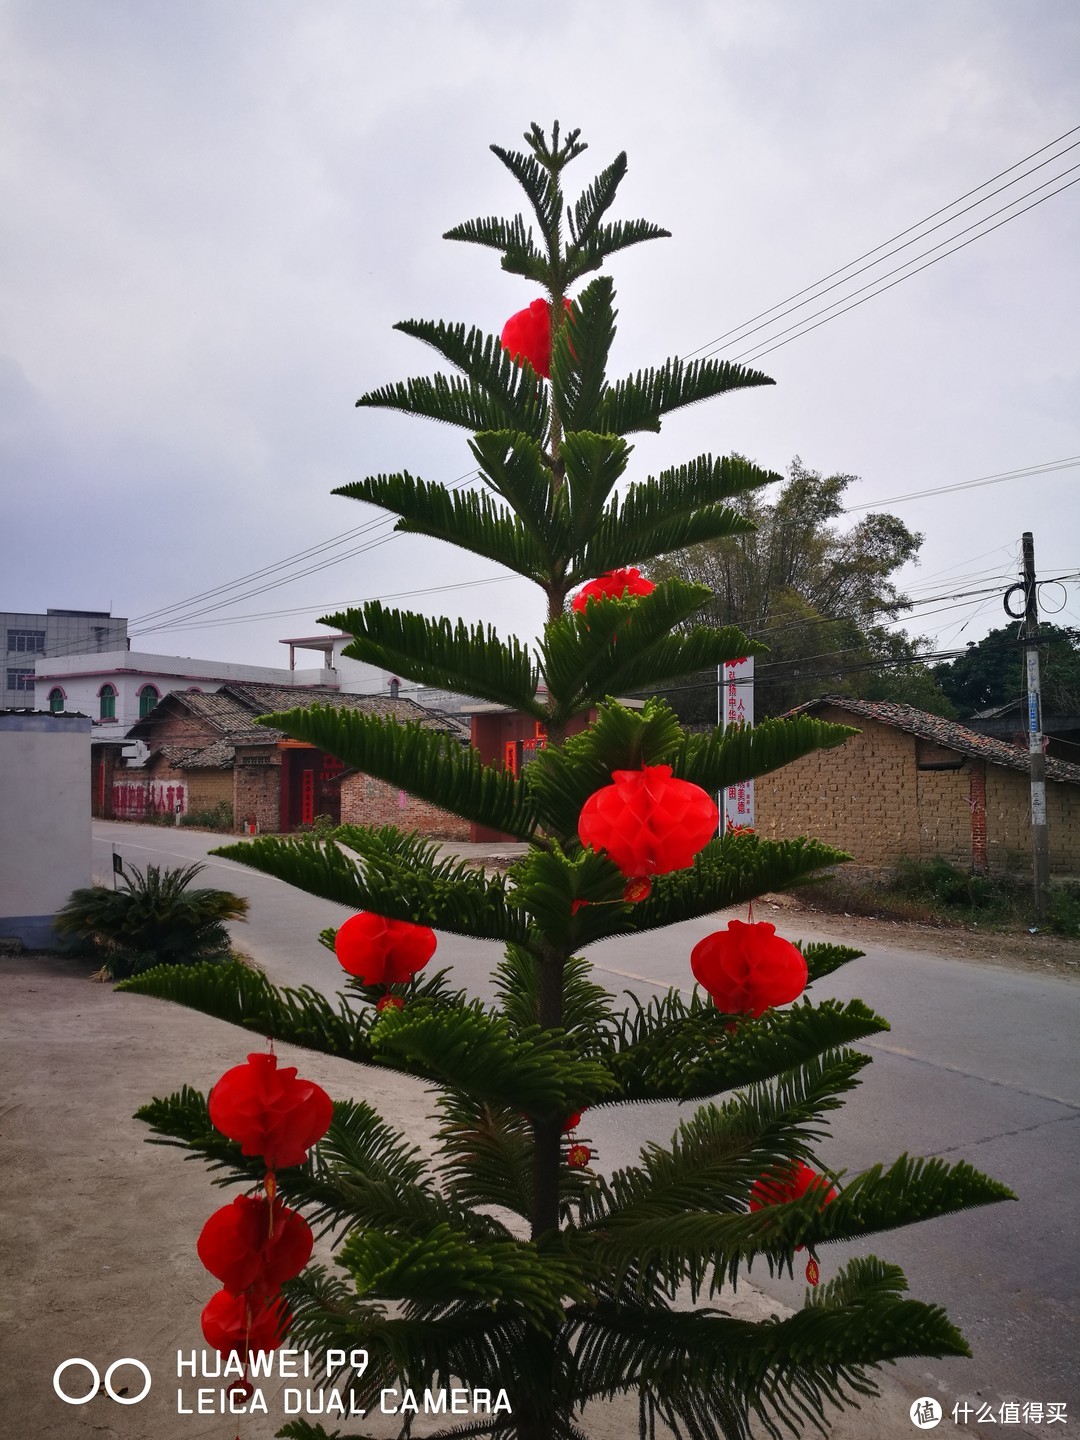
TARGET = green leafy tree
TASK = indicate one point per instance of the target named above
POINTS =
(503, 1264)
(991, 673)
(814, 594)
(151, 919)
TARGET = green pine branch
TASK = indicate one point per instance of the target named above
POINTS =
(448, 398)
(580, 356)
(700, 1057)
(515, 467)
(236, 993)
(482, 358)
(466, 519)
(392, 874)
(729, 871)
(783, 1372)
(486, 1153)
(469, 660)
(446, 1264)
(742, 752)
(628, 644)
(475, 1052)
(640, 401)
(512, 237)
(608, 240)
(415, 758)
(588, 1016)
(679, 1247)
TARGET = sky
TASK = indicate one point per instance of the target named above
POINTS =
(212, 215)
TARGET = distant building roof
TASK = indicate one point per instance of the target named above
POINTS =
(949, 733)
(231, 711)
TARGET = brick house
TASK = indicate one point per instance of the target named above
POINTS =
(207, 748)
(911, 786)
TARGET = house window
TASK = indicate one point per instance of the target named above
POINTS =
(26, 642)
(107, 697)
(56, 701)
(149, 696)
(19, 679)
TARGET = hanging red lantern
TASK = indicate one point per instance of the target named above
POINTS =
(648, 822)
(389, 1002)
(381, 951)
(571, 1122)
(237, 1323)
(780, 1187)
(613, 585)
(748, 968)
(578, 1156)
(269, 1111)
(527, 336)
(249, 1247)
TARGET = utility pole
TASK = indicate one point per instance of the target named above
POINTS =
(1039, 835)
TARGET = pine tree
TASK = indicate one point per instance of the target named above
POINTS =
(501, 1263)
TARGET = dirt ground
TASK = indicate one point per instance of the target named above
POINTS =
(1046, 954)
(98, 1228)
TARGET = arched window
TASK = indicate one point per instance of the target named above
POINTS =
(56, 701)
(149, 696)
(107, 698)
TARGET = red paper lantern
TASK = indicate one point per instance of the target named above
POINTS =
(614, 585)
(527, 336)
(241, 1248)
(578, 1156)
(380, 951)
(748, 967)
(237, 1323)
(389, 1002)
(781, 1187)
(269, 1111)
(572, 1122)
(648, 822)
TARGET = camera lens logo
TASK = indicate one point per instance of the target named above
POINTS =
(120, 1396)
(925, 1413)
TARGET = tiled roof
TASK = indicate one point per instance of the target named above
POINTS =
(217, 756)
(231, 712)
(260, 699)
(949, 733)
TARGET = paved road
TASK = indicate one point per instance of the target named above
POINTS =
(980, 1064)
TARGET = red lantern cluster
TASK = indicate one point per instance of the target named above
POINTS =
(255, 1244)
(613, 585)
(381, 951)
(648, 822)
(527, 336)
(269, 1111)
(748, 968)
(783, 1186)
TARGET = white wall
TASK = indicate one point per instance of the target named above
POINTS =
(81, 677)
(44, 820)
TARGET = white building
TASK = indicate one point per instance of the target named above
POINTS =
(121, 687)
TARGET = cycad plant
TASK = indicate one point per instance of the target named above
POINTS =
(153, 918)
(504, 1259)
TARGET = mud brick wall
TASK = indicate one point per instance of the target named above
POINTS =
(1008, 822)
(367, 801)
(861, 797)
(871, 797)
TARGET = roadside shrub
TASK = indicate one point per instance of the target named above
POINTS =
(1063, 909)
(219, 817)
(153, 918)
(322, 827)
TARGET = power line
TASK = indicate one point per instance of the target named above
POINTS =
(855, 305)
(866, 254)
(1048, 467)
(741, 333)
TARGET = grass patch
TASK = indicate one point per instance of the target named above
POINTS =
(934, 892)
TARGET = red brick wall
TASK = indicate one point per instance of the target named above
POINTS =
(367, 801)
